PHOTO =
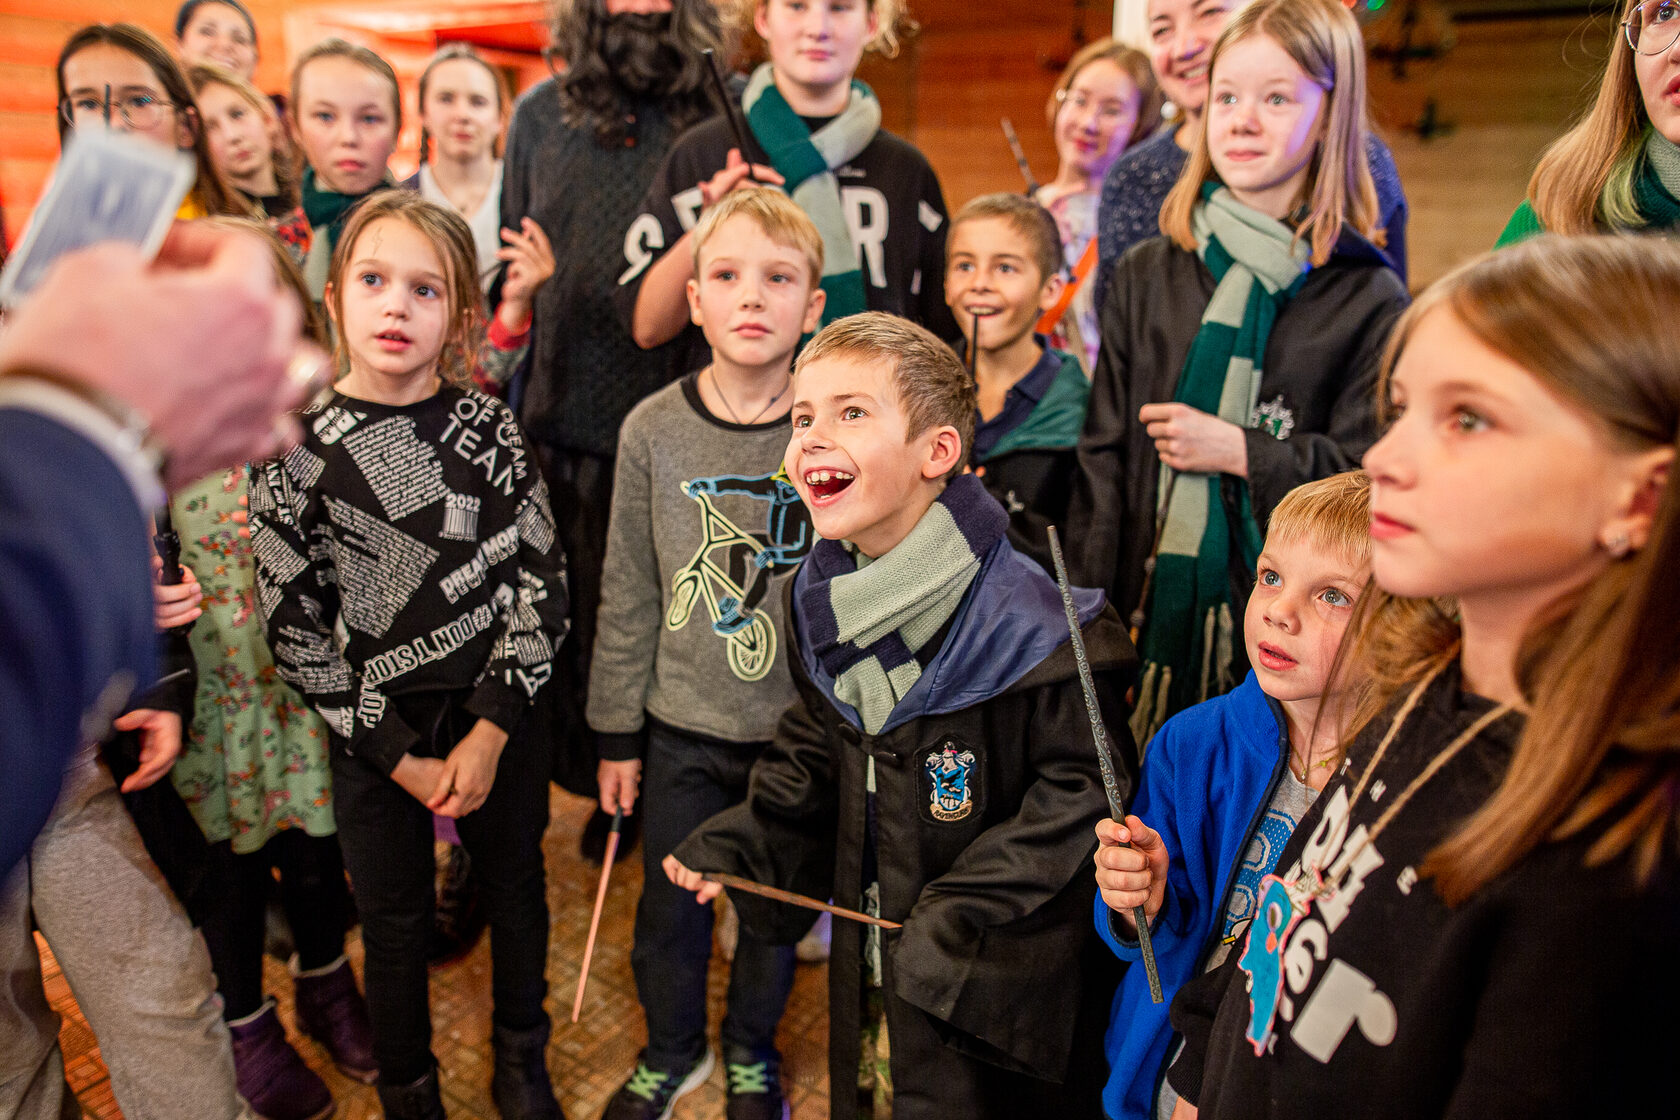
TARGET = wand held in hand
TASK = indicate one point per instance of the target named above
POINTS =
(728, 104)
(600, 901)
(1099, 735)
(736, 883)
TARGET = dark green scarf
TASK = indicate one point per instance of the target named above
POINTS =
(807, 161)
(1258, 265)
(326, 211)
(1656, 203)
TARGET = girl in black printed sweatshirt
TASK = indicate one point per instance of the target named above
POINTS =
(1480, 918)
(413, 590)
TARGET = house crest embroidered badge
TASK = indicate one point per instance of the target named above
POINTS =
(953, 780)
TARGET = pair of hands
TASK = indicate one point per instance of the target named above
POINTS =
(456, 785)
(1134, 876)
(1190, 440)
(530, 262)
(620, 782)
(202, 341)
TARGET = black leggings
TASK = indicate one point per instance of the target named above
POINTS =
(233, 910)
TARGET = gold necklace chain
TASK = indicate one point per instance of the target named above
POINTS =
(1321, 887)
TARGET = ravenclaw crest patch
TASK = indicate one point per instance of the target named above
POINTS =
(953, 781)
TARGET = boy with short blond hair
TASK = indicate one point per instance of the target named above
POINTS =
(687, 679)
(936, 769)
(1225, 782)
(1003, 271)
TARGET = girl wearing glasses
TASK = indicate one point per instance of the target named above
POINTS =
(1619, 168)
(1104, 102)
(121, 77)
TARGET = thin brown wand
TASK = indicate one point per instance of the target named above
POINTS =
(736, 883)
(595, 919)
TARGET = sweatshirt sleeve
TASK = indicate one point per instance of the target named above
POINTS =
(628, 625)
(935, 227)
(669, 209)
(1193, 1012)
(1277, 466)
(297, 588)
(534, 620)
(1097, 511)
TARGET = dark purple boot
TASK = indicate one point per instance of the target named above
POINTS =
(270, 1075)
(331, 1010)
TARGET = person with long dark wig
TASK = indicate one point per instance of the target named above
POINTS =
(581, 151)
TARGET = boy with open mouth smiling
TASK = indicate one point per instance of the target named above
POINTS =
(936, 769)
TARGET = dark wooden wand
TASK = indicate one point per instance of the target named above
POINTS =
(1099, 735)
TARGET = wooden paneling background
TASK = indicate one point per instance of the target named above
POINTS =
(1501, 93)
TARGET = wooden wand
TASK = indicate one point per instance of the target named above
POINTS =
(736, 883)
(1099, 735)
(600, 901)
(1020, 156)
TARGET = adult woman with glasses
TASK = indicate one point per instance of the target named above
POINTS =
(1619, 167)
(121, 77)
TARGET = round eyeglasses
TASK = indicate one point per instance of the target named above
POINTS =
(138, 109)
(1652, 27)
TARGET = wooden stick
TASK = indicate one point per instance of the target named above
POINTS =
(595, 919)
(1099, 735)
(1020, 157)
(735, 882)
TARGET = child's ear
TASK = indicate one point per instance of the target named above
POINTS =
(945, 451)
(694, 303)
(186, 129)
(813, 310)
(1051, 291)
(328, 302)
(1650, 478)
(761, 24)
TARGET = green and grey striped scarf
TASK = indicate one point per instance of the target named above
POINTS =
(808, 161)
(1187, 642)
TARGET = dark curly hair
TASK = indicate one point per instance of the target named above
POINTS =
(591, 97)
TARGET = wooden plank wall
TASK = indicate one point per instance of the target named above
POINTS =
(1506, 89)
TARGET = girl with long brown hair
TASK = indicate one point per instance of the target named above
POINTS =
(1619, 167)
(1480, 919)
(248, 145)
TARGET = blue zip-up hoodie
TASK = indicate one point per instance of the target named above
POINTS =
(1207, 778)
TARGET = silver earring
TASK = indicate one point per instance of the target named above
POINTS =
(1618, 546)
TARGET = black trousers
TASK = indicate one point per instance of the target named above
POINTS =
(580, 490)
(386, 835)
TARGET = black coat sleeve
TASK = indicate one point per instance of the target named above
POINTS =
(1277, 466)
(1097, 510)
(783, 835)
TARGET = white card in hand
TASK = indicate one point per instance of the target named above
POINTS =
(106, 187)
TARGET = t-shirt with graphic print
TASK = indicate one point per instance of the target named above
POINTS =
(1550, 992)
(403, 549)
(1291, 798)
(894, 210)
(706, 526)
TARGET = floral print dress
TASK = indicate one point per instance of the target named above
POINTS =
(255, 757)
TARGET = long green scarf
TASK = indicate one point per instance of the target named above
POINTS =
(1258, 265)
(808, 161)
(1655, 187)
(326, 211)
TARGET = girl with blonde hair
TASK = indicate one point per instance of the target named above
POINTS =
(1619, 167)
(1240, 351)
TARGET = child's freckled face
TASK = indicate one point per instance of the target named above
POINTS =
(851, 458)
(1303, 597)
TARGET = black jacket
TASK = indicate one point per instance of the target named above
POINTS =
(1317, 406)
(996, 989)
(1551, 992)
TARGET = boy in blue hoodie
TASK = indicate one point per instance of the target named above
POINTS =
(1225, 782)
(936, 769)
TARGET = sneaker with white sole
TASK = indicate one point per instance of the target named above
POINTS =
(651, 1094)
